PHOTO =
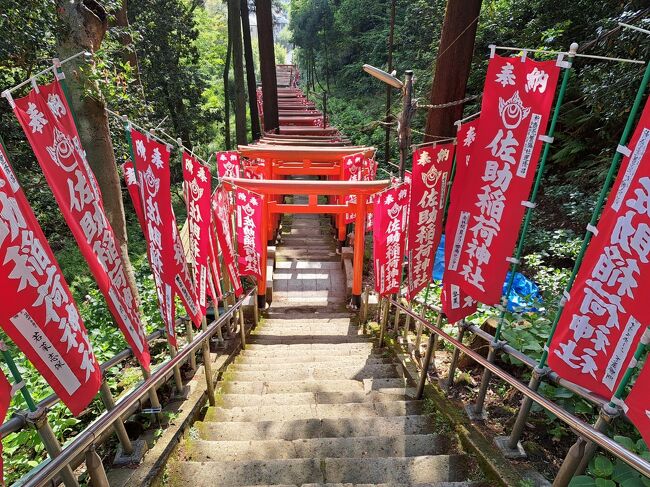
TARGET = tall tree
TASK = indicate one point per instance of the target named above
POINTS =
(250, 71)
(267, 64)
(452, 66)
(83, 27)
(234, 19)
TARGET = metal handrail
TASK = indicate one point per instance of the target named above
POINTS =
(19, 418)
(572, 421)
(104, 422)
(526, 360)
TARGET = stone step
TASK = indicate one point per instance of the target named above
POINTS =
(317, 428)
(379, 371)
(259, 357)
(354, 447)
(423, 469)
(238, 400)
(428, 484)
(337, 385)
(308, 330)
(285, 412)
(268, 339)
(275, 319)
(302, 348)
(358, 360)
(308, 265)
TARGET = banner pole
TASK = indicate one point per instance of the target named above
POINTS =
(541, 368)
(495, 345)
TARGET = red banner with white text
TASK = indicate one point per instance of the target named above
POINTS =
(637, 406)
(222, 217)
(214, 280)
(605, 315)
(456, 303)
(517, 100)
(228, 163)
(38, 312)
(430, 175)
(132, 185)
(352, 171)
(249, 236)
(197, 199)
(59, 153)
(5, 399)
(390, 216)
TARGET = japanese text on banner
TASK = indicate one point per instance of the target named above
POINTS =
(517, 100)
(249, 238)
(456, 304)
(431, 170)
(41, 317)
(222, 212)
(605, 315)
(390, 215)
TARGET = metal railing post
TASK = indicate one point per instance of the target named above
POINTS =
(242, 328)
(38, 417)
(454, 358)
(582, 450)
(189, 330)
(207, 365)
(118, 426)
(178, 380)
(383, 313)
(427, 360)
(96, 469)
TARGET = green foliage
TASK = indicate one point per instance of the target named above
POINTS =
(603, 472)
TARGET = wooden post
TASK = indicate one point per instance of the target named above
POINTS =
(452, 66)
(359, 240)
(267, 64)
(389, 89)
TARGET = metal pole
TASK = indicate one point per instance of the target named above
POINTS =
(96, 469)
(177, 371)
(190, 337)
(527, 403)
(384, 310)
(487, 375)
(454, 358)
(427, 359)
(118, 426)
(207, 364)
(418, 335)
(242, 328)
(405, 123)
(38, 418)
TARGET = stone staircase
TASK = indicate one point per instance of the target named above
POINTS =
(311, 401)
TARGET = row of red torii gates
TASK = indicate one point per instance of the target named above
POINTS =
(305, 146)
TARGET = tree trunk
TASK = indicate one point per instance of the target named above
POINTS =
(256, 132)
(226, 91)
(267, 64)
(234, 20)
(452, 66)
(84, 27)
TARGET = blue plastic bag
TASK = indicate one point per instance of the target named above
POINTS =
(523, 296)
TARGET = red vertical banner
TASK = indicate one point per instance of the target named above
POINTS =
(164, 293)
(517, 101)
(369, 174)
(5, 399)
(222, 212)
(46, 119)
(214, 276)
(456, 303)
(197, 198)
(228, 163)
(431, 170)
(38, 312)
(637, 406)
(605, 315)
(249, 236)
(390, 210)
(353, 166)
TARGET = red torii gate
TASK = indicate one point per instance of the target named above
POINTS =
(313, 189)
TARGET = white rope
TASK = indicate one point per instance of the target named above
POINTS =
(147, 133)
(528, 204)
(546, 51)
(592, 229)
(633, 27)
(546, 139)
(621, 149)
(468, 117)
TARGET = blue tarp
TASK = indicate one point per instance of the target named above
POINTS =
(523, 296)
